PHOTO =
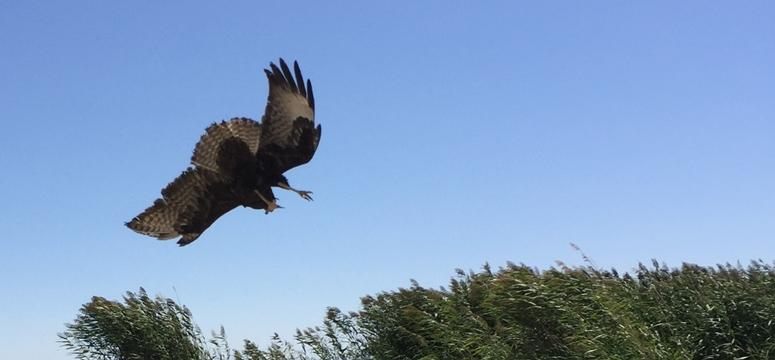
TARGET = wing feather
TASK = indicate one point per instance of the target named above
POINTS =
(288, 77)
(288, 100)
(161, 219)
(310, 96)
(299, 79)
(157, 221)
(188, 206)
(207, 150)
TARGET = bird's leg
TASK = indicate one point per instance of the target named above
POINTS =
(270, 205)
(303, 193)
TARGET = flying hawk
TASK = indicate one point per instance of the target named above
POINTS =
(237, 162)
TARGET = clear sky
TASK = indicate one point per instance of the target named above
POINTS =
(454, 133)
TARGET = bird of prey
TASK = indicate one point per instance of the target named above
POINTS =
(237, 162)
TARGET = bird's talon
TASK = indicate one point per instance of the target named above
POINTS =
(306, 195)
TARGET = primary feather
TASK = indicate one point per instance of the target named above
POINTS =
(289, 136)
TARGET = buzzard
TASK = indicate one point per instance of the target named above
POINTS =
(237, 162)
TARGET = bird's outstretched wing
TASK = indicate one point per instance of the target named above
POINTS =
(222, 142)
(224, 157)
(188, 206)
(289, 136)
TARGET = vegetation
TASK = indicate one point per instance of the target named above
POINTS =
(139, 328)
(723, 312)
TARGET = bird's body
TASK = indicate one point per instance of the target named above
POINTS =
(237, 162)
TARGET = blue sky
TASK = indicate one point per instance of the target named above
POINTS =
(454, 133)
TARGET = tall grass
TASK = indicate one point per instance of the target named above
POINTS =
(516, 312)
